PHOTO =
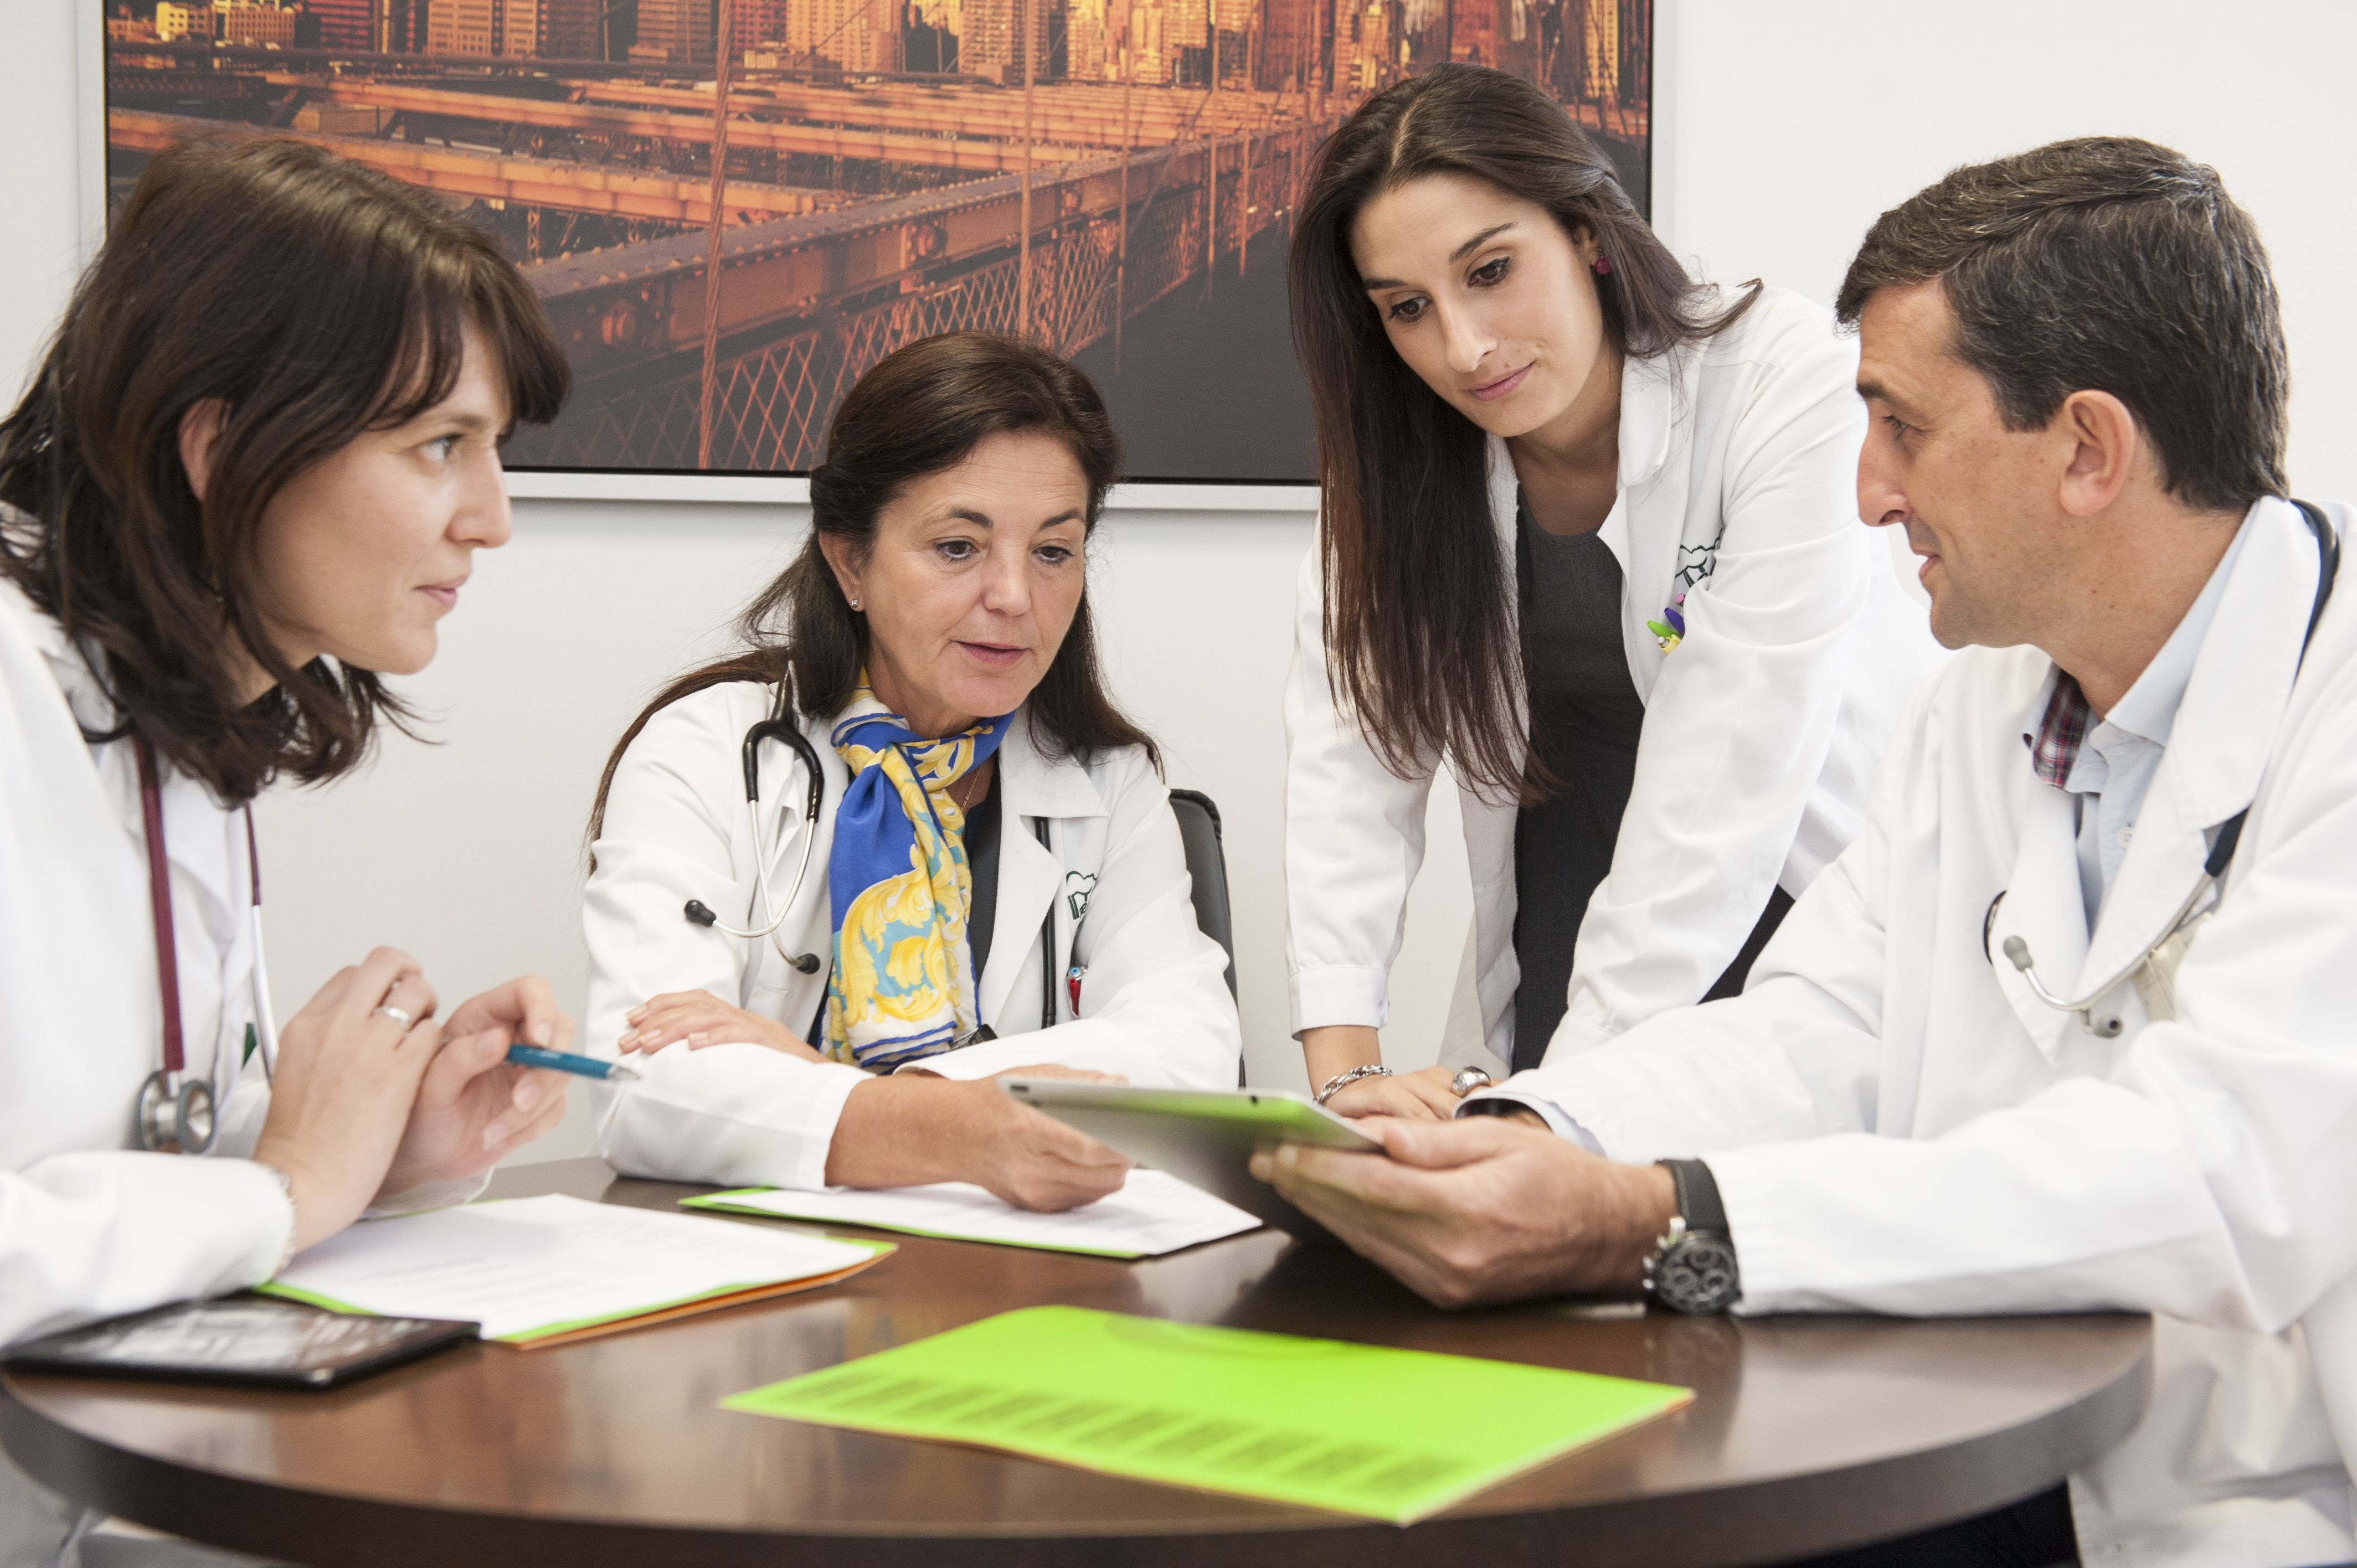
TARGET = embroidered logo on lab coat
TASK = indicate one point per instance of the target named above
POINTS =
(1078, 887)
(1695, 563)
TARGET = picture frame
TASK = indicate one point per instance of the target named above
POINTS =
(1263, 157)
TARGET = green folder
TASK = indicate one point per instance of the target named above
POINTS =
(1359, 1429)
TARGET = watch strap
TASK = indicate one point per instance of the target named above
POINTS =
(1697, 1196)
(1693, 1267)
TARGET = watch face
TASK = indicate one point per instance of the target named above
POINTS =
(1697, 1274)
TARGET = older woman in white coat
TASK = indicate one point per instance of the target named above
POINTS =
(231, 504)
(1589, 540)
(984, 876)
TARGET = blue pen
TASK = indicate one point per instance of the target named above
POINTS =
(566, 1062)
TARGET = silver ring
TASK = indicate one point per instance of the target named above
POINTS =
(1468, 1080)
(397, 1014)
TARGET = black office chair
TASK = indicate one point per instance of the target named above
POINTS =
(1206, 864)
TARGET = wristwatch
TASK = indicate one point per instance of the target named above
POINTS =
(1693, 1266)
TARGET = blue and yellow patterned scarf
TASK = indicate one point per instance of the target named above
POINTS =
(903, 983)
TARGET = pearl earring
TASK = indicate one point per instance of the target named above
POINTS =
(854, 603)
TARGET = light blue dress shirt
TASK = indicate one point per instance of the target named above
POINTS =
(2123, 749)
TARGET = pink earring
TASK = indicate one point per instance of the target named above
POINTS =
(1603, 266)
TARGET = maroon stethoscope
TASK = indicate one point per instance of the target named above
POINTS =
(178, 1112)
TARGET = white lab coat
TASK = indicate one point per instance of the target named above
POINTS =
(1898, 1126)
(1154, 1006)
(1761, 730)
(89, 1225)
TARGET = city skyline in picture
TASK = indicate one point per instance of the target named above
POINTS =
(1115, 179)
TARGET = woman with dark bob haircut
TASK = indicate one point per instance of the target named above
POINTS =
(1590, 540)
(818, 991)
(244, 486)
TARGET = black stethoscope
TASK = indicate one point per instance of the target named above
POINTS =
(2222, 853)
(177, 1113)
(779, 725)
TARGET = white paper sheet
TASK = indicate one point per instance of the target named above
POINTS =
(519, 1264)
(1152, 1214)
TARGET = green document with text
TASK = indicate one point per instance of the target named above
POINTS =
(1360, 1429)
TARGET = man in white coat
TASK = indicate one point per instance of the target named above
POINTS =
(2136, 800)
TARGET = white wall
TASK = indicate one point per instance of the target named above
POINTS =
(1783, 129)
(1790, 126)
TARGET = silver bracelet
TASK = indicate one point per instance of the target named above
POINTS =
(1369, 1070)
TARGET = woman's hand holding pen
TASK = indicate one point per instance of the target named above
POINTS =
(375, 1096)
(699, 1019)
(472, 1108)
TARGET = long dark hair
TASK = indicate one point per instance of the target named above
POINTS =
(318, 300)
(1415, 586)
(918, 412)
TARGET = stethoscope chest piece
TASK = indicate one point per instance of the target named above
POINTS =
(176, 1119)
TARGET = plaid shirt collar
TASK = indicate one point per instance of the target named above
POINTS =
(2061, 731)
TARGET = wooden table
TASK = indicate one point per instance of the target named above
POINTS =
(1807, 1435)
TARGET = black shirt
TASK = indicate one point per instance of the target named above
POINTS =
(1585, 720)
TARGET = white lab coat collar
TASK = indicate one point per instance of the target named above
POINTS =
(1033, 785)
(2043, 906)
(193, 822)
(1651, 398)
(2219, 748)
(2225, 733)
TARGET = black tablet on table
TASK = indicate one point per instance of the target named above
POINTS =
(253, 1340)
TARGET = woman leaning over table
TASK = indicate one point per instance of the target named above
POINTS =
(246, 483)
(1590, 537)
(995, 881)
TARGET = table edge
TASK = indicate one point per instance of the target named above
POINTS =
(1872, 1500)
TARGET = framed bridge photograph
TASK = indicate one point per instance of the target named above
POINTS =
(1115, 179)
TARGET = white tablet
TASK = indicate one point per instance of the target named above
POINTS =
(1204, 1137)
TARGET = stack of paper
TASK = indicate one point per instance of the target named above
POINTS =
(1363, 1429)
(1152, 1214)
(543, 1271)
